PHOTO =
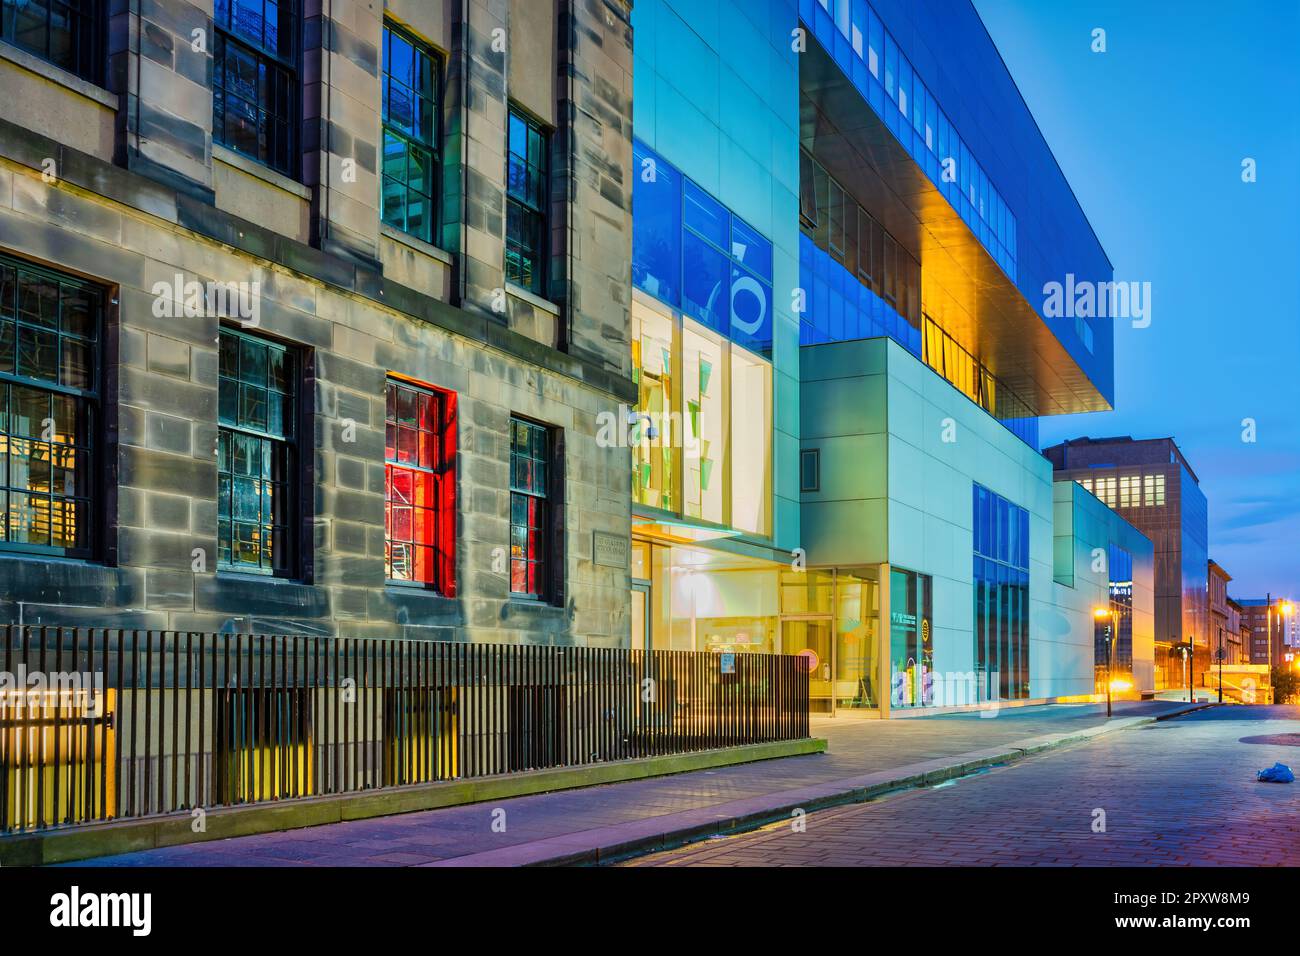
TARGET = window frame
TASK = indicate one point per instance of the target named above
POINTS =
(813, 455)
(293, 564)
(433, 148)
(443, 581)
(550, 528)
(88, 61)
(222, 36)
(89, 402)
(540, 209)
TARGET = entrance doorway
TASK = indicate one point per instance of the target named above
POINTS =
(811, 639)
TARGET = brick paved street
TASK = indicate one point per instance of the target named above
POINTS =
(856, 747)
(1181, 792)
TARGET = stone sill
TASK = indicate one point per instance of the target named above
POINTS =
(419, 245)
(528, 606)
(532, 298)
(255, 169)
(57, 75)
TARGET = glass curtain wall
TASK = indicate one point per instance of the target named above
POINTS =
(1001, 575)
(751, 442)
(701, 434)
(656, 431)
(1121, 602)
(857, 639)
(911, 640)
(705, 405)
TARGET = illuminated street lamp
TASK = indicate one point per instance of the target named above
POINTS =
(1112, 617)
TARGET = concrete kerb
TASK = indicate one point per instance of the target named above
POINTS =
(840, 793)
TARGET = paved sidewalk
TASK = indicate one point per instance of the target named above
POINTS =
(1160, 790)
(579, 825)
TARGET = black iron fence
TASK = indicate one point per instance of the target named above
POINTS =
(103, 724)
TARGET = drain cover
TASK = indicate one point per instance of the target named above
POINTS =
(1277, 740)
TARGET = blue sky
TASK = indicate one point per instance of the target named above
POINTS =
(1151, 134)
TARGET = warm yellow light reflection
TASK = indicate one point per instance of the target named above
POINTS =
(1120, 684)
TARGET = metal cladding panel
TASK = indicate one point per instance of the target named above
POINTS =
(996, 316)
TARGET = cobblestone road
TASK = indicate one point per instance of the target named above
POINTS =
(1181, 792)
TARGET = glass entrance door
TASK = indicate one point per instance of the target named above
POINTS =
(810, 638)
(642, 638)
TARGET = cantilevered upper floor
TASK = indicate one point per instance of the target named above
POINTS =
(927, 181)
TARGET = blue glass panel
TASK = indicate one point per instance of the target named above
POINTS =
(707, 216)
(891, 68)
(706, 277)
(751, 250)
(751, 311)
(1013, 536)
(1003, 530)
(859, 19)
(905, 89)
(656, 226)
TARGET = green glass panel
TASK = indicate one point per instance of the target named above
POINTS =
(706, 471)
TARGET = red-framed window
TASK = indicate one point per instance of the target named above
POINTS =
(420, 486)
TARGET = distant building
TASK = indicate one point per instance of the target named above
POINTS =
(1236, 635)
(1222, 631)
(1245, 636)
(1272, 636)
(1151, 484)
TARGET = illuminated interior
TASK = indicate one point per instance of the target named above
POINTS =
(702, 430)
(688, 597)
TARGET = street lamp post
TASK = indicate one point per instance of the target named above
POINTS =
(1220, 664)
(1101, 614)
(1283, 611)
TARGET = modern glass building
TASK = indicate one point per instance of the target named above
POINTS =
(840, 252)
(715, 334)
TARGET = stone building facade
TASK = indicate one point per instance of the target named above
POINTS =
(219, 227)
(1225, 616)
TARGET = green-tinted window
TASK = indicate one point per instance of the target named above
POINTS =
(49, 403)
(411, 151)
(526, 202)
(255, 454)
